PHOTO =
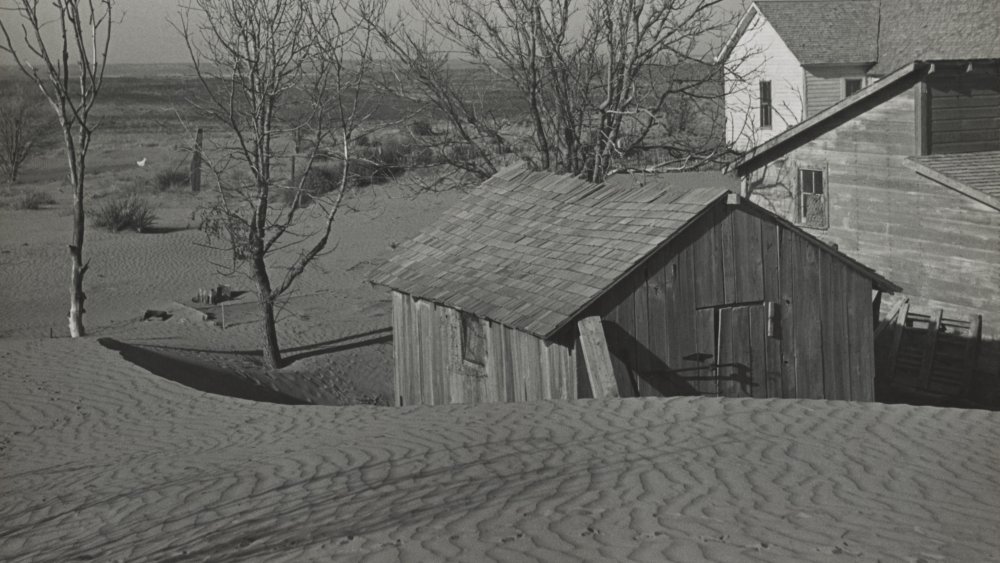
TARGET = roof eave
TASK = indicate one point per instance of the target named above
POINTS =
(948, 181)
(734, 37)
(786, 141)
(638, 263)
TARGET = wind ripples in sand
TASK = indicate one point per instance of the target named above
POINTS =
(102, 460)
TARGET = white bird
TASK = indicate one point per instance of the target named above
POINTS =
(141, 163)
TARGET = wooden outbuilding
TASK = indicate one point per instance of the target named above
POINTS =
(540, 286)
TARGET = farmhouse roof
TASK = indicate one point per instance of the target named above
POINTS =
(936, 30)
(884, 33)
(532, 250)
(805, 131)
(977, 175)
(834, 32)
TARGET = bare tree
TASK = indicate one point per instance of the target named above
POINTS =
(601, 81)
(69, 71)
(253, 57)
(21, 127)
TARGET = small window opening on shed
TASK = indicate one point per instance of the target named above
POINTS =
(813, 199)
(473, 340)
(765, 104)
(851, 85)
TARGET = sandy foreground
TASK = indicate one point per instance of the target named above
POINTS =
(101, 460)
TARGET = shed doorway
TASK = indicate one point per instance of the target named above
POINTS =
(741, 334)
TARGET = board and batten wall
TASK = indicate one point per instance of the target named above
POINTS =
(941, 247)
(761, 54)
(430, 369)
(964, 111)
(660, 322)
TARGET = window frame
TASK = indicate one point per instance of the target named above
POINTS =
(766, 114)
(471, 326)
(861, 85)
(800, 194)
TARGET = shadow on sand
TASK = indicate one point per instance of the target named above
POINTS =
(197, 375)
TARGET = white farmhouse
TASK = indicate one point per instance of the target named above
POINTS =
(789, 60)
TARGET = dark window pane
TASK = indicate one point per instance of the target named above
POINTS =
(473, 340)
(851, 85)
(765, 103)
(817, 182)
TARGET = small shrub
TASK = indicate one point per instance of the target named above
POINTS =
(324, 178)
(461, 152)
(167, 179)
(420, 128)
(393, 155)
(30, 199)
(131, 212)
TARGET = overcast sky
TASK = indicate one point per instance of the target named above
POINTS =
(146, 36)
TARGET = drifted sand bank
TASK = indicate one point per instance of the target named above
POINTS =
(101, 460)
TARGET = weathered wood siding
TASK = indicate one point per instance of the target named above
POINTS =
(761, 54)
(964, 111)
(430, 369)
(824, 85)
(661, 321)
(941, 247)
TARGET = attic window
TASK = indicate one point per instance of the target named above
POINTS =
(473, 340)
(765, 104)
(813, 210)
(851, 85)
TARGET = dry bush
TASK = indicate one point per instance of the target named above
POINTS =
(21, 126)
(32, 199)
(421, 128)
(325, 178)
(169, 179)
(128, 213)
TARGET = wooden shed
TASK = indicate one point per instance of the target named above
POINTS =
(540, 286)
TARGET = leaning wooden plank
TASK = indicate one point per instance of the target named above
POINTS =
(931, 343)
(972, 350)
(398, 351)
(899, 326)
(595, 354)
(891, 316)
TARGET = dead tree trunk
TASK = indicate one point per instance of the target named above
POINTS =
(265, 299)
(196, 163)
(77, 266)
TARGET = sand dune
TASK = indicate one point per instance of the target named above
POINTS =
(101, 460)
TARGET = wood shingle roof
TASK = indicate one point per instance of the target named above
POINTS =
(936, 30)
(886, 34)
(833, 32)
(532, 250)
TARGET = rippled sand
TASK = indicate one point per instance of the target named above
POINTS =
(101, 460)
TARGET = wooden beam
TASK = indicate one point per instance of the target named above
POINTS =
(890, 317)
(597, 358)
(922, 116)
(972, 351)
(900, 326)
(876, 307)
(931, 343)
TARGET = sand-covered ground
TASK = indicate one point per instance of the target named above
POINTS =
(101, 460)
(334, 327)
